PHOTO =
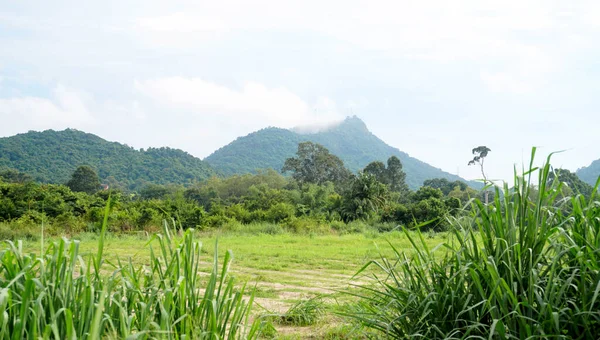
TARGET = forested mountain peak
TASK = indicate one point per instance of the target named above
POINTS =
(51, 156)
(352, 123)
(350, 140)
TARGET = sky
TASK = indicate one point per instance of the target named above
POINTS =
(432, 78)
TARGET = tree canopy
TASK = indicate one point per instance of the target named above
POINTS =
(573, 182)
(50, 157)
(314, 164)
(84, 179)
(393, 176)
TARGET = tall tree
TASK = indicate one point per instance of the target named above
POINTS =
(314, 164)
(378, 170)
(445, 185)
(480, 153)
(397, 176)
(393, 176)
(366, 196)
(84, 179)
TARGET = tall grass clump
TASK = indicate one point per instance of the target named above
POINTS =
(526, 266)
(63, 294)
(304, 312)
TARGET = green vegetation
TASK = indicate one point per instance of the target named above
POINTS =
(393, 176)
(322, 196)
(84, 179)
(314, 164)
(304, 312)
(518, 268)
(52, 156)
(524, 265)
(351, 141)
(573, 184)
(63, 294)
(283, 269)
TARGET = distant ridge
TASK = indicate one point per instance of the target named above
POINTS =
(590, 173)
(350, 140)
(52, 156)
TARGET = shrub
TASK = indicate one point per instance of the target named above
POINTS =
(239, 213)
(430, 210)
(280, 212)
(354, 227)
(215, 221)
(69, 223)
(397, 213)
(15, 231)
(305, 225)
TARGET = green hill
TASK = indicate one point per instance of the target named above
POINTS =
(52, 156)
(350, 140)
(590, 173)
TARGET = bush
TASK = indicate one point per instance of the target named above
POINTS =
(216, 221)
(397, 213)
(69, 223)
(17, 231)
(354, 227)
(385, 227)
(239, 213)
(149, 216)
(305, 225)
(280, 212)
(431, 209)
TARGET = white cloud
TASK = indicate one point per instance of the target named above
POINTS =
(505, 82)
(428, 68)
(66, 108)
(252, 104)
(179, 29)
(481, 32)
(457, 29)
(181, 23)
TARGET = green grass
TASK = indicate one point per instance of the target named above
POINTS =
(285, 268)
(526, 266)
(304, 312)
(283, 253)
(66, 294)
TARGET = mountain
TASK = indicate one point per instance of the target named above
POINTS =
(351, 141)
(590, 174)
(52, 156)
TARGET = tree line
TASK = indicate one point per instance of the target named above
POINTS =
(318, 191)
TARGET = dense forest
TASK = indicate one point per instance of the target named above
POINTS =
(350, 140)
(52, 156)
(320, 193)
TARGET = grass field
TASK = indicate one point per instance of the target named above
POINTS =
(284, 268)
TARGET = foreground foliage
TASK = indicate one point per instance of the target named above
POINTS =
(525, 266)
(64, 295)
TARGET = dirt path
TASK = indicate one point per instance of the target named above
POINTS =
(288, 287)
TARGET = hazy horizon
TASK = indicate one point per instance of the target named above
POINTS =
(433, 79)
